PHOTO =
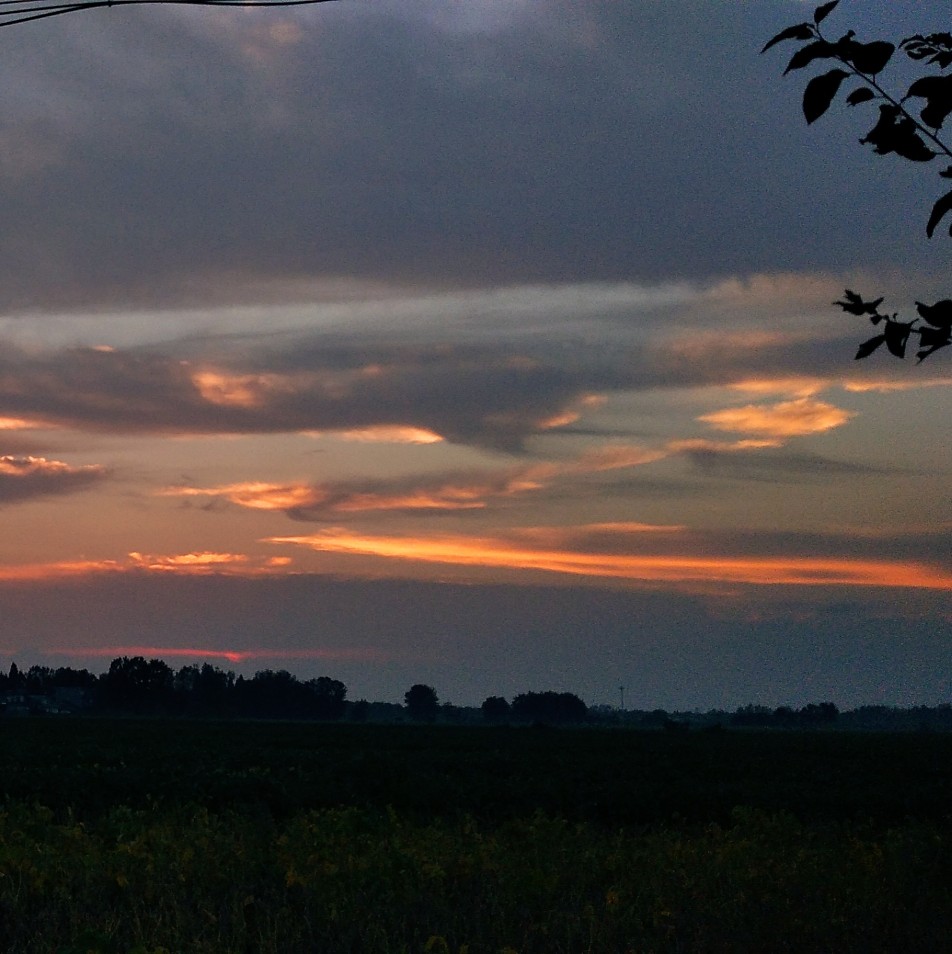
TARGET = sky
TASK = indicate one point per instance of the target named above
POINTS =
(485, 344)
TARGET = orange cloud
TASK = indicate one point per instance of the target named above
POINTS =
(786, 419)
(238, 390)
(255, 495)
(888, 387)
(40, 466)
(798, 387)
(388, 434)
(453, 493)
(503, 553)
(722, 447)
(203, 563)
(18, 424)
(49, 571)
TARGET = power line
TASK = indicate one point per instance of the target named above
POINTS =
(24, 11)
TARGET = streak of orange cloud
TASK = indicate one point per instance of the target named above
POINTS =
(458, 494)
(18, 424)
(236, 564)
(501, 553)
(888, 387)
(387, 434)
(31, 466)
(186, 559)
(67, 568)
(722, 447)
(786, 419)
(255, 495)
(445, 498)
(798, 387)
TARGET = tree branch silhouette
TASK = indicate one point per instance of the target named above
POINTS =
(899, 131)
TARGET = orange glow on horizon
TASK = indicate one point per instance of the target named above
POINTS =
(501, 553)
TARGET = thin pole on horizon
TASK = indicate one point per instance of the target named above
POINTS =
(621, 692)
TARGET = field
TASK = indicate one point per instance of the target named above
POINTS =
(149, 836)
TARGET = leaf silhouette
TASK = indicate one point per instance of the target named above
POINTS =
(855, 305)
(862, 95)
(869, 58)
(939, 314)
(937, 46)
(896, 335)
(937, 91)
(802, 31)
(819, 93)
(823, 11)
(868, 347)
(896, 133)
(931, 339)
(939, 210)
(807, 54)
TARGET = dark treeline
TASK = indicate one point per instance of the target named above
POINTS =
(136, 686)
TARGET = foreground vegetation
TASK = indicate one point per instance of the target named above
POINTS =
(158, 836)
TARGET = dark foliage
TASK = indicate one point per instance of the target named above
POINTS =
(495, 709)
(907, 126)
(549, 708)
(422, 703)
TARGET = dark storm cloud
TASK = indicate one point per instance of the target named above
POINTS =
(144, 154)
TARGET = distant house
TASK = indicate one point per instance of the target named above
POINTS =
(62, 701)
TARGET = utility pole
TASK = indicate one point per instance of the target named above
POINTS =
(621, 693)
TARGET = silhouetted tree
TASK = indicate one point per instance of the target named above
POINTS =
(68, 678)
(15, 680)
(907, 126)
(422, 703)
(548, 707)
(136, 685)
(327, 697)
(205, 691)
(38, 680)
(495, 709)
(824, 713)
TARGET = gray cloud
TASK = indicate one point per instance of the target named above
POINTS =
(777, 466)
(27, 478)
(484, 393)
(148, 153)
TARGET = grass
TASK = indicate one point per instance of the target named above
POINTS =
(169, 837)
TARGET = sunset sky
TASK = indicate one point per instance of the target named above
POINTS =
(482, 343)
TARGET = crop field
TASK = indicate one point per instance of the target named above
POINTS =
(151, 836)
